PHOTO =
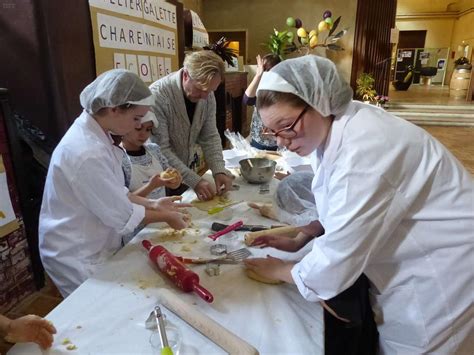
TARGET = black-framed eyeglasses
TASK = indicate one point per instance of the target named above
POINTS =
(288, 131)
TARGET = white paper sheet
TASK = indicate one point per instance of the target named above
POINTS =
(7, 214)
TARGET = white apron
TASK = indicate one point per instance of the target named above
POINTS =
(141, 174)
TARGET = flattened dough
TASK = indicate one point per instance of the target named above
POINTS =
(254, 276)
(217, 201)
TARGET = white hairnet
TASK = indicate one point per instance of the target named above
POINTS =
(150, 117)
(294, 201)
(114, 88)
(312, 78)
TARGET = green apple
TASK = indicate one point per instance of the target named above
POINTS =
(290, 22)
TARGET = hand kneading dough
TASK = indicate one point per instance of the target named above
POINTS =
(254, 276)
(169, 174)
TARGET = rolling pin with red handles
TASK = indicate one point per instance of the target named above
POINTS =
(175, 270)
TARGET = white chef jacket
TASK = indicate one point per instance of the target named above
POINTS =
(85, 207)
(397, 206)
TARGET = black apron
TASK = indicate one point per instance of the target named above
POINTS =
(360, 335)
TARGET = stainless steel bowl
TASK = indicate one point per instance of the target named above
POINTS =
(257, 170)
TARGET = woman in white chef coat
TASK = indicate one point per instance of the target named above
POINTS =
(86, 208)
(395, 205)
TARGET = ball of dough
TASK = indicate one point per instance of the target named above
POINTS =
(254, 276)
(169, 174)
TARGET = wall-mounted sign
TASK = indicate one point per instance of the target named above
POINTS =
(200, 36)
(139, 35)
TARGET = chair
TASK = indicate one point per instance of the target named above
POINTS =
(403, 85)
(426, 74)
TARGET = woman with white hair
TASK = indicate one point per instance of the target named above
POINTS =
(86, 208)
(394, 204)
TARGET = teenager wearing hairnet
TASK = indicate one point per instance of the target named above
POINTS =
(349, 326)
(394, 203)
(86, 208)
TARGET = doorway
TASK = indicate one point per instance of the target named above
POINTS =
(412, 39)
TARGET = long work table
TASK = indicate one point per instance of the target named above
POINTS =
(107, 313)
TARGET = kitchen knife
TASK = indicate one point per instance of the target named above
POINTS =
(245, 227)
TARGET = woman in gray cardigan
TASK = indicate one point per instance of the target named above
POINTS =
(186, 110)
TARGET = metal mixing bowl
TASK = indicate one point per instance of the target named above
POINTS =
(257, 170)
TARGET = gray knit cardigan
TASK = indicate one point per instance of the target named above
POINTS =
(175, 134)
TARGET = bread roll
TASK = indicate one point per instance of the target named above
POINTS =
(169, 174)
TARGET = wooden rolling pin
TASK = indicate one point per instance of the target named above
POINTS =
(205, 325)
(288, 231)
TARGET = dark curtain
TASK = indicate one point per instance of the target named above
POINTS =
(372, 48)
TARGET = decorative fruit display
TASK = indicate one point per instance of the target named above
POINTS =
(285, 42)
(281, 43)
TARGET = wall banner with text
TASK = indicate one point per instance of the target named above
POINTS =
(138, 35)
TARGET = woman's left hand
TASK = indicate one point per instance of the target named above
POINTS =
(272, 268)
(260, 68)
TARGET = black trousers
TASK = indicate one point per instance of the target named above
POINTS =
(360, 335)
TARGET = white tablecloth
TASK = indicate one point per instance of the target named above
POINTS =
(107, 313)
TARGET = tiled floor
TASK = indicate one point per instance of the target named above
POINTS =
(426, 94)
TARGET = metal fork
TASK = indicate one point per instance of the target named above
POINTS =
(239, 254)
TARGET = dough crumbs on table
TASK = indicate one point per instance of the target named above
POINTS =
(66, 341)
(71, 347)
(185, 248)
